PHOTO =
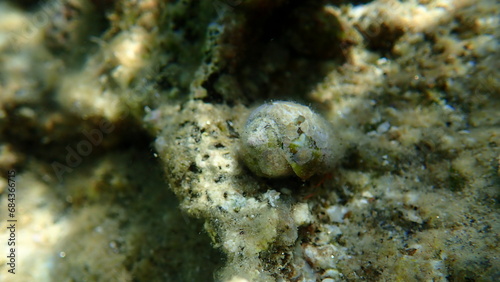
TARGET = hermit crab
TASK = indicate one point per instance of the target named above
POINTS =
(283, 138)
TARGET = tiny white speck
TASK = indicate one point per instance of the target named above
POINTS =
(384, 127)
(448, 108)
(381, 61)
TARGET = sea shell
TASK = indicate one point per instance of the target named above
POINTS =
(282, 138)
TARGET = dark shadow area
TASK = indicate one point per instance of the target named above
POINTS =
(125, 224)
(48, 133)
(279, 50)
(29, 5)
(353, 2)
(381, 37)
(62, 20)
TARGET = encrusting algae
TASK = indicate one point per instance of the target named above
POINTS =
(394, 176)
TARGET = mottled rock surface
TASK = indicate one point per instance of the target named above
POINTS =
(107, 107)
